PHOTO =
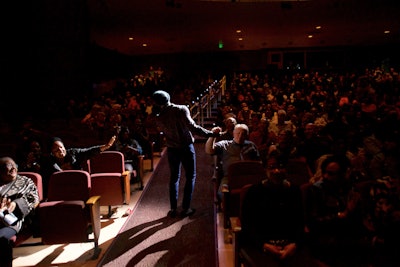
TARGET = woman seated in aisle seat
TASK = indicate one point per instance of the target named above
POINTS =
(18, 198)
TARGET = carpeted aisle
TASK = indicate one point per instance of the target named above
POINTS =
(150, 238)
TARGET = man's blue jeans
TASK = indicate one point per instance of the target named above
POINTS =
(185, 157)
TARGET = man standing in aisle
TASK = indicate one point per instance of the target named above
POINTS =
(178, 127)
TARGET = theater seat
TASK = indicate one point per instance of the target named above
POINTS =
(37, 179)
(70, 214)
(109, 179)
(240, 173)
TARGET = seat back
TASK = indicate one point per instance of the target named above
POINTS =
(37, 179)
(109, 178)
(107, 161)
(242, 195)
(69, 185)
(245, 172)
(69, 215)
(236, 227)
(240, 173)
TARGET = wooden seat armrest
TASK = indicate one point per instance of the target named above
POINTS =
(126, 175)
(225, 205)
(225, 189)
(152, 156)
(141, 166)
(93, 200)
(94, 207)
(236, 228)
(235, 224)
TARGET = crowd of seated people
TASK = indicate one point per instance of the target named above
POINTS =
(351, 119)
(303, 115)
(321, 109)
(129, 104)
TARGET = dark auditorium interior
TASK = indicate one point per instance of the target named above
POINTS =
(80, 69)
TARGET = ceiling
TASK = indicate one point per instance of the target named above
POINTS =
(176, 26)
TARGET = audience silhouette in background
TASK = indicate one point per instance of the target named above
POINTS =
(30, 159)
(131, 149)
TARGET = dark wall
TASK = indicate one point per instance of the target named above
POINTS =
(44, 50)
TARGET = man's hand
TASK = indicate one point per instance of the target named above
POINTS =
(216, 129)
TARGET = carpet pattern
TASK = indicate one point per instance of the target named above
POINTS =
(150, 238)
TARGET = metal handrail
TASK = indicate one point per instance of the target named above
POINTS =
(201, 109)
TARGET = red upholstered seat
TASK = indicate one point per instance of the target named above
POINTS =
(109, 178)
(70, 213)
(240, 173)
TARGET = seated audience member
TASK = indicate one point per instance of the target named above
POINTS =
(332, 215)
(310, 145)
(244, 114)
(383, 230)
(338, 148)
(31, 157)
(285, 145)
(139, 132)
(229, 125)
(18, 198)
(61, 158)
(380, 206)
(254, 121)
(236, 149)
(383, 153)
(260, 137)
(226, 134)
(280, 123)
(272, 221)
(131, 149)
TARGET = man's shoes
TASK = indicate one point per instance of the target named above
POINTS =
(172, 213)
(187, 212)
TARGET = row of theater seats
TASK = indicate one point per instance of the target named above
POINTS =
(68, 215)
(71, 212)
(241, 175)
